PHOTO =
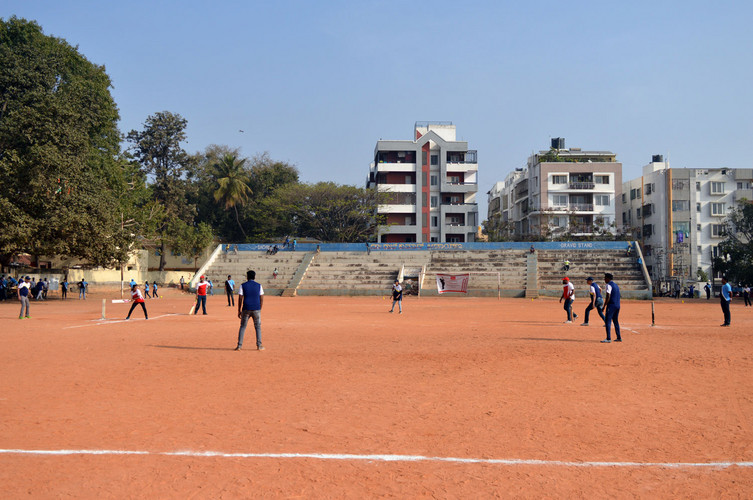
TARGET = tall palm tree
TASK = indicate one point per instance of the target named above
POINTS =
(233, 180)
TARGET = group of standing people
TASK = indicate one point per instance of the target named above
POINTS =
(609, 302)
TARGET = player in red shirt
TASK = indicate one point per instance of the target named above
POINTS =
(201, 296)
(137, 298)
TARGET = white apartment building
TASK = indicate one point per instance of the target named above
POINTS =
(432, 183)
(562, 190)
(678, 215)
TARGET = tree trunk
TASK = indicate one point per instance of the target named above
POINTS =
(235, 209)
(162, 256)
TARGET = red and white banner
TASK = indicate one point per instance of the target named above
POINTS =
(457, 283)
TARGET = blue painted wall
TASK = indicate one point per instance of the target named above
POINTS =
(382, 247)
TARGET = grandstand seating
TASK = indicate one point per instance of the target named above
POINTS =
(359, 273)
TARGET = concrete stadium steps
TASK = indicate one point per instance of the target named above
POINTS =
(483, 267)
(287, 263)
(510, 264)
(627, 273)
(356, 273)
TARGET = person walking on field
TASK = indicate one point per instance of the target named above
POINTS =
(612, 303)
(746, 295)
(23, 291)
(597, 301)
(137, 299)
(724, 300)
(146, 289)
(568, 294)
(397, 297)
(182, 282)
(707, 288)
(201, 296)
(250, 302)
(155, 295)
(229, 287)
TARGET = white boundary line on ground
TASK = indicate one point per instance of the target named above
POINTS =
(100, 322)
(384, 458)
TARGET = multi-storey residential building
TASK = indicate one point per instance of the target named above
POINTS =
(565, 191)
(678, 215)
(432, 183)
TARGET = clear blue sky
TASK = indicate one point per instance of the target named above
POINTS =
(318, 83)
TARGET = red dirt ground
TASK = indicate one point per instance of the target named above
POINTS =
(451, 377)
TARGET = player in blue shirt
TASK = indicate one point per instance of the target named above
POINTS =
(725, 299)
(250, 302)
(612, 303)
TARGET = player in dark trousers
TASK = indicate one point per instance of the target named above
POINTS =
(137, 299)
(397, 296)
(146, 289)
(612, 303)
(250, 302)
(724, 299)
(201, 296)
(229, 287)
(597, 301)
(568, 294)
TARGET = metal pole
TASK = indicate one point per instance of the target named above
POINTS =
(653, 318)
(104, 301)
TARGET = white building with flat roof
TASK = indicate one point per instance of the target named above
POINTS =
(678, 215)
(432, 183)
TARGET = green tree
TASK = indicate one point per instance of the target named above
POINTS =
(158, 150)
(60, 169)
(737, 246)
(232, 180)
(498, 230)
(327, 211)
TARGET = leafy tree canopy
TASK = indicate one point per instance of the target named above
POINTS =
(327, 211)
(737, 246)
(60, 171)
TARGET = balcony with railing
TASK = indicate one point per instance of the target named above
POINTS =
(582, 185)
(462, 157)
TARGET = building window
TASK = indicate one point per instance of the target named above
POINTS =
(453, 179)
(679, 184)
(743, 185)
(717, 209)
(559, 179)
(648, 230)
(717, 188)
(601, 179)
(650, 188)
(698, 207)
(423, 199)
(435, 159)
(434, 201)
(624, 218)
(623, 198)
(559, 200)
(697, 186)
(633, 194)
(680, 205)
(717, 230)
(423, 158)
(638, 213)
(434, 239)
(601, 200)
(698, 227)
(681, 227)
(434, 221)
(434, 180)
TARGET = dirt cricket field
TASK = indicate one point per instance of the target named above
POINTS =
(455, 398)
